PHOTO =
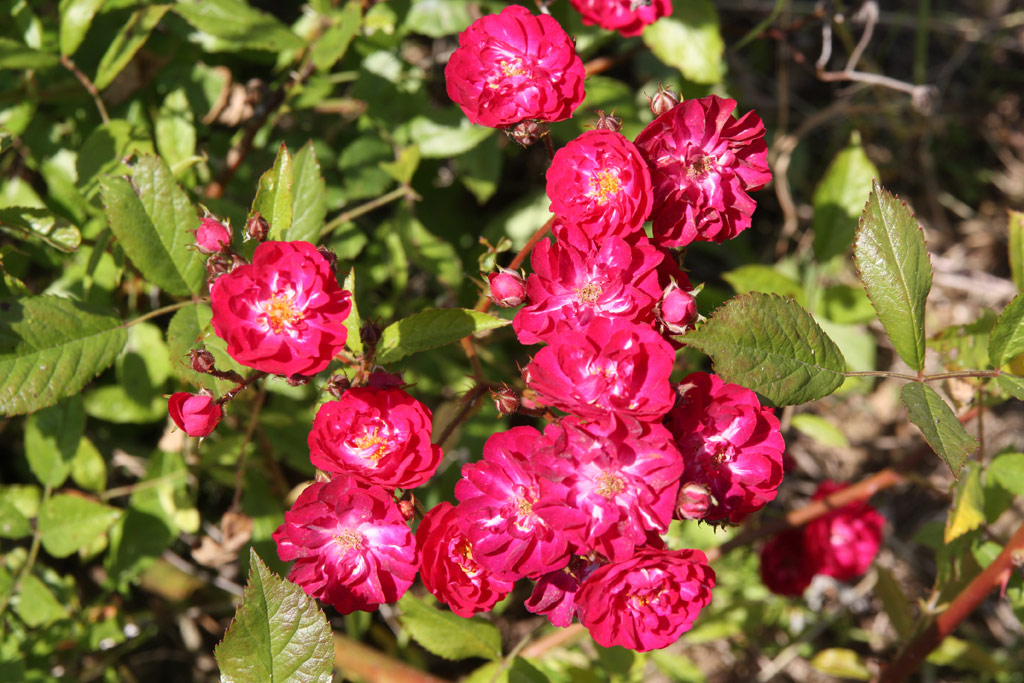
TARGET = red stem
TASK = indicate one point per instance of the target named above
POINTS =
(484, 303)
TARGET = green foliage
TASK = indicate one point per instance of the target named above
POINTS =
(278, 633)
(69, 523)
(938, 424)
(968, 512)
(430, 329)
(690, 41)
(1006, 340)
(820, 429)
(447, 635)
(839, 199)
(1016, 247)
(230, 25)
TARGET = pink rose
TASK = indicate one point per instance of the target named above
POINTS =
(284, 314)
(730, 443)
(196, 414)
(554, 596)
(845, 541)
(351, 545)
(379, 436)
(786, 566)
(703, 162)
(448, 568)
(508, 289)
(628, 17)
(600, 184)
(212, 236)
(647, 601)
(514, 66)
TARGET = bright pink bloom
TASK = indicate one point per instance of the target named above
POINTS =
(616, 482)
(600, 184)
(703, 162)
(284, 314)
(514, 66)
(730, 443)
(212, 236)
(615, 366)
(628, 17)
(676, 312)
(448, 567)
(569, 287)
(196, 414)
(351, 545)
(508, 289)
(554, 596)
(647, 601)
(379, 436)
(846, 540)
(786, 566)
(497, 496)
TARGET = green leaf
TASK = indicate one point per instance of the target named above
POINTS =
(968, 512)
(75, 19)
(518, 670)
(1016, 240)
(68, 523)
(773, 346)
(1006, 341)
(480, 169)
(353, 323)
(964, 655)
(238, 26)
(839, 199)
(18, 55)
(309, 197)
(936, 420)
(1008, 471)
(278, 633)
(841, 662)
(820, 429)
(333, 44)
(689, 40)
(447, 635)
(430, 329)
(274, 196)
(51, 440)
(894, 602)
(892, 258)
(1012, 385)
(404, 165)
(847, 305)
(437, 18)
(755, 277)
(13, 524)
(677, 666)
(190, 329)
(88, 468)
(174, 129)
(152, 217)
(50, 348)
(440, 141)
(36, 605)
(426, 250)
(116, 403)
(26, 222)
(132, 36)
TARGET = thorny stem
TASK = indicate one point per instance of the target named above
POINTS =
(68, 64)
(469, 402)
(250, 429)
(161, 311)
(352, 214)
(233, 391)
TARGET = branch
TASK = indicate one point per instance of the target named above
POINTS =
(468, 403)
(355, 660)
(68, 64)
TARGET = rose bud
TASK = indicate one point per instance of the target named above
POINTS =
(196, 414)
(607, 122)
(692, 502)
(508, 288)
(212, 236)
(256, 228)
(677, 310)
(338, 385)
(663, 100)
(525, 133)
(506, 401)
(202, 360)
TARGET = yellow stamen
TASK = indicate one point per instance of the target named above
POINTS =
(349, 540)
(603, 185)
(589, 293)
(609, 484)
(281, 312)
(369, 440)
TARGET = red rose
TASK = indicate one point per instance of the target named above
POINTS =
(196, 414)
(514, 66)
(508, 289)
(284, 314)
(786, 566)
(845, 541)
(379, 436)
(628, 17)
(212, 236)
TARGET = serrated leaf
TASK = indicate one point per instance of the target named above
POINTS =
(820, 429)
(27, 222)
(132, 36)
(51, 440)
(1006, 341)
(50, 348)
(430, 329)
(190, 329)
(274, 196)
(439, 140)
(756, 277)
(68, 523)
(88, 468)
(448, 635)
(839, 199)
(278, 634)
(968, 512)
(353, 323)
(238, 25)
(892, 259)
(333, 44)
(151, 216)
(841, 662)
(1012, 385)
(13, 524)
(936, 420)
(309, 197)
(36, 605)
(689, 40)
(1008, 471)
(75, 19)
(1015, 228)
(894, 602)
(773, 346)
(17, 55)
(174, 129)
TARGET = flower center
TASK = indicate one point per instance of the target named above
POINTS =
(464, 556)
(700, 166)
(280, 312)
(589, 293)
(524, 507)
(371, 440)
(513, 68)
(349, 540)
(603, 185)
(640, 600)
(609, 484)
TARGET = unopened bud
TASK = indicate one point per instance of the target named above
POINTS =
(329, 255)
(338, 385)
(212, 236)
(607, 122)
(256, 228)
(692, 502)
(506, 401)
(508, 289)
(677, 310)
(369, 333)
(407, 508)
(217, 265)
(385, 380)
(298, 380)
(525, 133)
(201, 360)
(663, 100)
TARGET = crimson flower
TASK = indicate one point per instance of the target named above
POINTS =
(628, 17)
(195, 414)
(703, 162)
(786, 566)
(514, 66)
(379, 436)
(554, 595)
(351, 545)
(646, 601)
(212, 236)
(283, 314)
(846, 540)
